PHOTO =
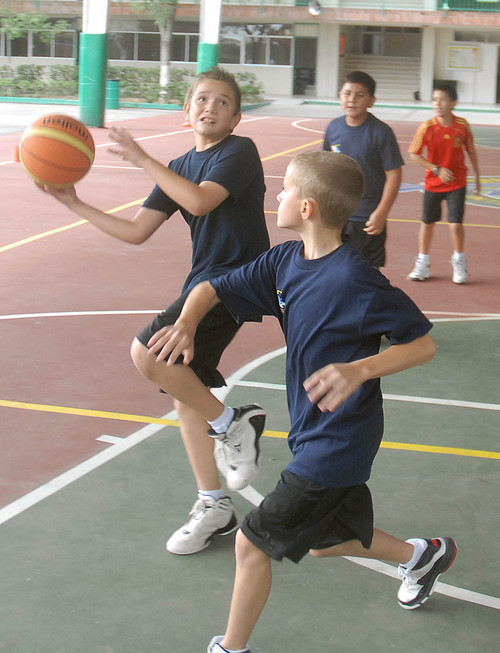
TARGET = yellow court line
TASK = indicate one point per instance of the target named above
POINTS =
(294, 149)
(145, 419)
(403, 446)
(417, 221)
(44, 234)
(102, 414)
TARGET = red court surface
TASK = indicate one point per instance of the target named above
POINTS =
(73, 298)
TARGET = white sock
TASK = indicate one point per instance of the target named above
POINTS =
(215, 494)
(459, 257)
(419, 546)
(424, 257)
(221, 424)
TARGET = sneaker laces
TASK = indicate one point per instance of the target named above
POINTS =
(406, 575)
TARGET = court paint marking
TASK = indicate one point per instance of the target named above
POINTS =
(409, 398)
(253, 496)
(51, 232)
(45, 234)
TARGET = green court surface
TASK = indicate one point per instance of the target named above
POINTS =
(85, 570)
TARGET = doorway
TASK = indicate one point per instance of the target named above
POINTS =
(304, 65)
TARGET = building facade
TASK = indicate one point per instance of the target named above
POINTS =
(405, 44)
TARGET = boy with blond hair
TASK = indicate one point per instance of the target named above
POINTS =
(334, 309)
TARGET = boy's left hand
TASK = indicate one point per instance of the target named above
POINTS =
(171, 342)
(126, 147)
(375, 224)
(330, 386)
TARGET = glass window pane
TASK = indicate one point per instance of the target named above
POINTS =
(193, 47)
(65, 45)
(229, 49)
(178, 47)
(255, 50)
(121, 46)
(40, 49)
(19, 47)
(149, 47)
(281, 52)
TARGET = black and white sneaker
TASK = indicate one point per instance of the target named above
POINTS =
(237, 451)
(419, 582)
(208, 519)
(216, 647)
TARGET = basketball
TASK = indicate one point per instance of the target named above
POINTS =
(56, 151)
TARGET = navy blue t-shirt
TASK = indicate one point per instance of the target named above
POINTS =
(334, 309)
(374, 146)
(235, 232)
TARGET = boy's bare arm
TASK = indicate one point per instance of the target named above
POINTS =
(376, 222)
(330, 386)
(475, 165)
(178, 340)
(198, 199)
(135, 231)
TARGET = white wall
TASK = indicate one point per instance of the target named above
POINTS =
(473, 86)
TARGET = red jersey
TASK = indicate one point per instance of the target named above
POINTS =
(445, 148)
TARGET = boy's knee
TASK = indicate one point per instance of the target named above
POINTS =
(138, 352)
(246, 551)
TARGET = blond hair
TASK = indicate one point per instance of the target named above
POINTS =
(333, 180)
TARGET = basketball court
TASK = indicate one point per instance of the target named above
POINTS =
(93, 476)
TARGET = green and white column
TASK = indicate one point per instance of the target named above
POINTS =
(208, 46)
(93, 62)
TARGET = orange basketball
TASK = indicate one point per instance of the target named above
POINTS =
(57, 151)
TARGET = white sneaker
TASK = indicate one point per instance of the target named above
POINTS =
(419, 582)
(208, 518)
(421, 271)
(459, 270)
(215, 645)
(237, 451)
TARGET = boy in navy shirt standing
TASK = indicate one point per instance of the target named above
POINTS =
(371, 143)
(334, 309)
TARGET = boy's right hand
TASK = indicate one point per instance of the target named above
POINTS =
(170, 342)
(64, 195)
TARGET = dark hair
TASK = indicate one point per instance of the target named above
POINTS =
(220, 75)
(450, 91)
(359, 77)
(333, 180)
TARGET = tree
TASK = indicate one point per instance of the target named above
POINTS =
(17, 25)
(163, 13)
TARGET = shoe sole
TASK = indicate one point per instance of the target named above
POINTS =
(422, 599)
(417, 278)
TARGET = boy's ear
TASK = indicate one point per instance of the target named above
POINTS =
(373, 99)
(234, 121)
(307, 208)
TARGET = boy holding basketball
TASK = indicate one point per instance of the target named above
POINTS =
(334, 308)
(218, 187)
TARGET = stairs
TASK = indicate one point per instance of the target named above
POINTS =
(397, 77)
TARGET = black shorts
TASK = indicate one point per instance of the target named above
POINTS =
(213, 335)
(455, 200)
(299, 515)
(371, 247)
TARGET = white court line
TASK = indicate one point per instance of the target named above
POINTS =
(251, 494)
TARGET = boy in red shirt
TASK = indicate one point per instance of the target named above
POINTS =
(445, 137)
